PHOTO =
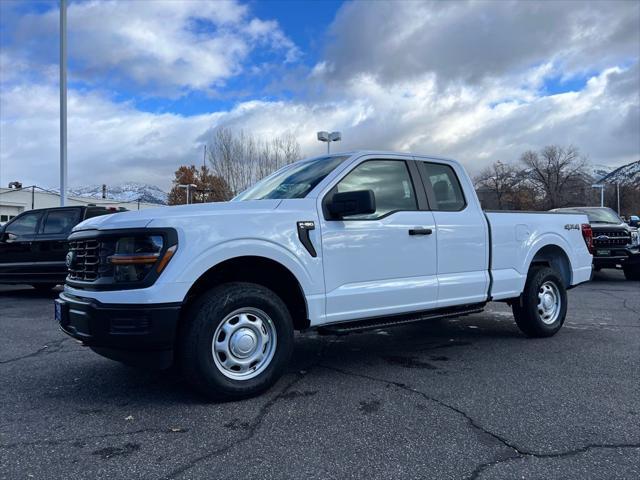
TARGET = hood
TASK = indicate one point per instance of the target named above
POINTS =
(142, 218)
(609, 226)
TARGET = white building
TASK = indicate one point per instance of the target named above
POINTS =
(16, 200)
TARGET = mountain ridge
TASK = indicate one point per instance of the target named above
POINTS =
(628, 174)
(124, 192)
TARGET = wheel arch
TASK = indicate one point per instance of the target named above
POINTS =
(554, 256)
(262, 271)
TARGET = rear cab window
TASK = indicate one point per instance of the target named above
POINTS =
(443, 187)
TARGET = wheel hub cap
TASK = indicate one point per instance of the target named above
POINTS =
(549, 302)
(244, 343)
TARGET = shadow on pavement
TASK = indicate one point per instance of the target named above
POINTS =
(27, 291)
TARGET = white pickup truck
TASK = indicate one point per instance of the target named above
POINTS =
(339, 243)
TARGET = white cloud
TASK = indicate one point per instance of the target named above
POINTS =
(111, 142)
(391, 96)
(107, 142)
(471, 40)
(163, 47)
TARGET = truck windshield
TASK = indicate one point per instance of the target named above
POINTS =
(596, 215)
(293, 181)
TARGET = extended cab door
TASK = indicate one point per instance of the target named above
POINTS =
(462, 238)
(16, 243)
(385, 262)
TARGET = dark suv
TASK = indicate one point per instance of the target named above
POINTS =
(33, 245)
(616, 244)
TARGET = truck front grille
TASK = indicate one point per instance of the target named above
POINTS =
(605, 239)
(89, 259)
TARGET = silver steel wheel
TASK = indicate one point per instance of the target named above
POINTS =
(244, 343)
(549, 302)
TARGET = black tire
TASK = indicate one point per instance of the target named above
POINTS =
(527, 311)
(201, 322)
(632, 273)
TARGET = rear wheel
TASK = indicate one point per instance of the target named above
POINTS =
(236, 341)
(541, 309)
(632, 273)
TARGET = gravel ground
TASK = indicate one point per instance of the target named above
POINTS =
(465, 398)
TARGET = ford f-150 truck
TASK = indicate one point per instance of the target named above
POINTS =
(339, 243)
(615, 244)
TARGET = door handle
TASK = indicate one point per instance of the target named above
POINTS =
(420, 231)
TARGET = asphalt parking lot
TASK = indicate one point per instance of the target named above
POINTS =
(465, 398)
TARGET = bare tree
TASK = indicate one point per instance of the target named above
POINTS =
(497, 183)
(555, 171)
(241, 159)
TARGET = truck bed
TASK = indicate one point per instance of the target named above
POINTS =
(516, 236)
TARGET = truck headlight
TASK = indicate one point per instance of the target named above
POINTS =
(635, 238)
(136, 256)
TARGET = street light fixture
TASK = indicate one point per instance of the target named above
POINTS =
(329, 137)
(601, 187)
(188, 187)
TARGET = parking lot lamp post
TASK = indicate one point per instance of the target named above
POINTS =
(188, 187)
(601, 187)
(329, 137)
(63, 102)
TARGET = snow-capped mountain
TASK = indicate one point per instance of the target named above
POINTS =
(598, 172)
(124, 192)
(626, 175)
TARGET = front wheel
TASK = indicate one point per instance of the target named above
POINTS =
(541, 309)
(632, 273)
(236, 341)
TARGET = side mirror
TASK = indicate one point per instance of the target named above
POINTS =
(359, 202)
(7, 237)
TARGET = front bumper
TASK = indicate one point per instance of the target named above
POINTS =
(133, 334)
(618, 257)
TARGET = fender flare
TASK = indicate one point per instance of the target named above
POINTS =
(548, 239)
(252, 247)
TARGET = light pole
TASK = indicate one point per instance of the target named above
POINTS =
(63, 102)
(329, 137)
(601, 187)
(188, 187)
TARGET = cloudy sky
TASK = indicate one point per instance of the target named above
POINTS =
(477, 81)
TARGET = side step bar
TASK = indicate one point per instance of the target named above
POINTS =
(402, 319)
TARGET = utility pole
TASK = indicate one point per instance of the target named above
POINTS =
(204, 171)
(618, 193)
(204, 158)
(63, 102)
